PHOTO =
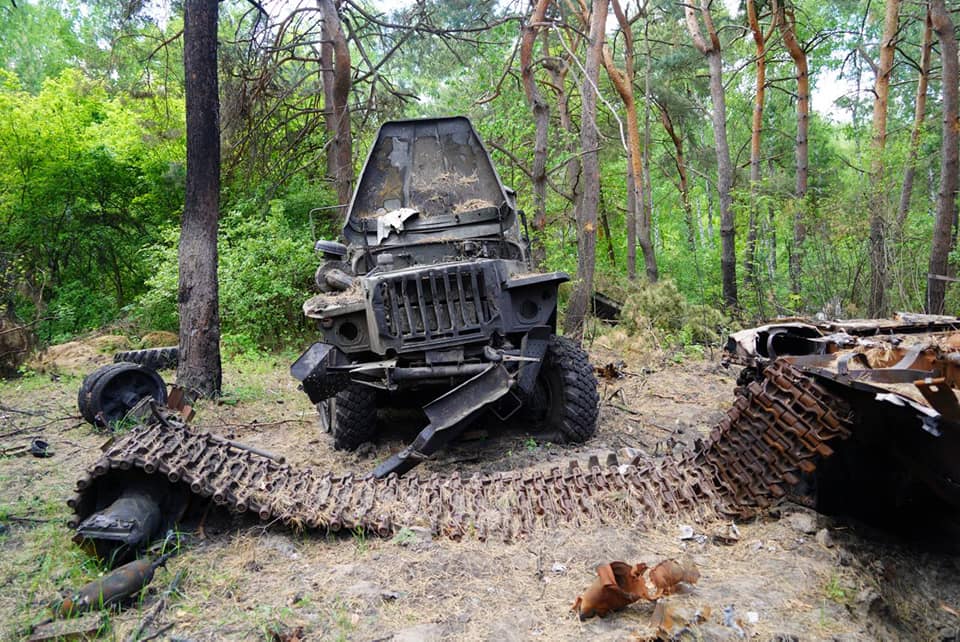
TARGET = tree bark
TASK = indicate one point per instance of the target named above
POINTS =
(947, 198)
(756, 131)
(559, 68)
(589, 196)
(787, 23)
(919, 115)
(877, 305)
(711, 50)
(335, 58)
(541, 118)
(683, 186)
(199, 368)
(638, 223)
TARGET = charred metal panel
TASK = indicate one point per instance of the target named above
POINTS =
(436, 306)
(436, 167)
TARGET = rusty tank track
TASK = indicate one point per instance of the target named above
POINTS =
(776, 430)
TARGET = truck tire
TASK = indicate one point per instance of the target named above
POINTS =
(565, 396)
(354, 416)
(156, 358)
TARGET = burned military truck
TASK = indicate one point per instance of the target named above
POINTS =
(433, 297)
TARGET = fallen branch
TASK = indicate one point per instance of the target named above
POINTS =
(37, 428)
(668, 397)
(256, 424)
(158, 607)
(31, 413)
(27, 520)
(625, 409)
(157, 633)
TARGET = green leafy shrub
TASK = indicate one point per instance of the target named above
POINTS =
(266, 272)
(660, 307)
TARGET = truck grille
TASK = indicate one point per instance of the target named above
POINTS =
(435, 305)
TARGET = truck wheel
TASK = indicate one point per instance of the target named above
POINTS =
(354, 416)
(565, 395)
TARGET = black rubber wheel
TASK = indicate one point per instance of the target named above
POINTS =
(86, 388)
(115, 389)
(565, 395)
(354, 416)
(156, 358)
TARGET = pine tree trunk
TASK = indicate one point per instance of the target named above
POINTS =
(947, 198)
(638, 223)
(541, 119)
(756, 130)
(199, 368)
(878, 220)
(589, 196)
(711, 50)
(787, 23)
(919, 115)
(335, 58)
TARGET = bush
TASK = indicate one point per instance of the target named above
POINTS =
(660, 307)
(266, 272)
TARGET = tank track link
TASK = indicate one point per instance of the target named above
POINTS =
(777, 429)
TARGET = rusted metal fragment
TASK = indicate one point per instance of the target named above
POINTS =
(939, 395)
(669, 574)
(113, 588)
(619, 584)
(669, 618)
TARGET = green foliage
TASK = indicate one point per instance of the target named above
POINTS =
(266, 270)
(92, 164)
(84, 192)
(661, 307)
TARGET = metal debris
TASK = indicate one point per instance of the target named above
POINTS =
(113, 588)
(900, 376)
(726, 533)
(37, 447)
(619, 584)
(669, 574)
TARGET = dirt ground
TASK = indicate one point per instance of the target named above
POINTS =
(791, 575)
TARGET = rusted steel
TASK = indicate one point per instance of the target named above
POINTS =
(669, 574)
(900, 376)
(619, 584)
(778, 428)
(113, 588)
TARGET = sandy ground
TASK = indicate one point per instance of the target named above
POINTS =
(792, 575)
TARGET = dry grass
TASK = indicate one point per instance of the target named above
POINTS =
(245, 580)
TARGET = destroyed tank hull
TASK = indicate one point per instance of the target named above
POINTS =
(901, 378)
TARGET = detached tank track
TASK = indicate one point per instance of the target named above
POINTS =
(776, 430)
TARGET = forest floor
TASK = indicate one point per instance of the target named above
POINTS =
(792, 575)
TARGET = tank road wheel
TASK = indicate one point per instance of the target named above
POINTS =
(108, 393)
(565, 395)
(156, 358)
(354, 413)
(86, 388)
